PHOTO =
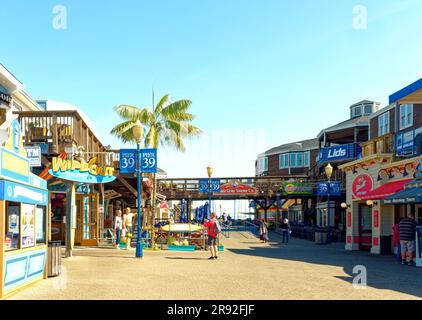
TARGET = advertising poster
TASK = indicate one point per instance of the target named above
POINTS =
(13, 219)
(28, 225)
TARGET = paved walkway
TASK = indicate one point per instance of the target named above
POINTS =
(247, 269)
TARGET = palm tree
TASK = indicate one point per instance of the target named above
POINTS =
(169, 123)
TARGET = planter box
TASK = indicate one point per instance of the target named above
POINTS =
(181, 248)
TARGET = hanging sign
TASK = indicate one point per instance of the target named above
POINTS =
(213, 184)
(128, 160)
(33, 154)
(80, 171)
(298, 188)
(148, 160)
(237, 188)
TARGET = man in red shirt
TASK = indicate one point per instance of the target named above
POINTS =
(212, 237)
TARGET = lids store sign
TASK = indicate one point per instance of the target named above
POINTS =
(79, 171)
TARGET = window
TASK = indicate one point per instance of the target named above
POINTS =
(368, 109)
(283, 161)
(406, 116)
(384, 123)
(12, 226)
(356, 111)
(296, 160)
(306, 159)
(40, 234)
(263, 164)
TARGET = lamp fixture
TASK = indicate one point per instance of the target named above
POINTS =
(344, 205)
(371, 203)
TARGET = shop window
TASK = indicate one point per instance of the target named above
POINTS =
(28, 225)
(12, 226)
(40, 232)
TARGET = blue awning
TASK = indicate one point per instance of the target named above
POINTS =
(409, 195)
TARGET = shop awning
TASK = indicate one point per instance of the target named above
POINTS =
(408, 195)
(386, 190)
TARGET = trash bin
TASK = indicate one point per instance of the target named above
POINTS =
(54, 258)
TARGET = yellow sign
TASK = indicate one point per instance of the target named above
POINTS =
(91, 167)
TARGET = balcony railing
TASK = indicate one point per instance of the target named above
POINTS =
(380, 145)
(61, 131)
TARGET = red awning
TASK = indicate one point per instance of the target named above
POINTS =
(386, 190)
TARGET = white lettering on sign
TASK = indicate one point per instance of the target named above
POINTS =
(336, 153)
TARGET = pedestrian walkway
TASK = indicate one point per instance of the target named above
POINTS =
(247, 269)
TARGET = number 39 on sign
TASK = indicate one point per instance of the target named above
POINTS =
(149, 160)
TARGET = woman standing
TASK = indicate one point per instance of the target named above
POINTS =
(263, 230)
(118, 226)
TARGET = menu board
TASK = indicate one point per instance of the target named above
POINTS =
(28, 225)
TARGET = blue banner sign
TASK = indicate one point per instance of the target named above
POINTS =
(33, 154)
(339, 153)
(16, 192)
(127, 160)
(149, 160)
(215, 185)
(328, 188)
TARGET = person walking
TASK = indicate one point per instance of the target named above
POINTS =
(407, 229)
(128, 226)
(285, 230)
(263, 231)
(396, 241)
(118, 226)
(224, 216)
(211, 226)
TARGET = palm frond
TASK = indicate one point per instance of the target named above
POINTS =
(133, 113)
(162, 104)
(175, 109)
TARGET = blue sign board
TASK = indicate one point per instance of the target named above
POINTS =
(83, 177)
(149, 160)
(128, 160)
(215, 185)
(33, 154)
(406, 143)
(339, 153)
(328, 188)
(16, 192)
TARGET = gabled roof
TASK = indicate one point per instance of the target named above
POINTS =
(304, 145)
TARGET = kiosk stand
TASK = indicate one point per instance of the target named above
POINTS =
(23, 218)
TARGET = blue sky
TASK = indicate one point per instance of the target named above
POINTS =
(259, 73)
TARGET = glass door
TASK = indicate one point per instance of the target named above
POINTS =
(87, 219)
(365, 227)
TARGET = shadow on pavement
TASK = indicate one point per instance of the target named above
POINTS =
(382, 271)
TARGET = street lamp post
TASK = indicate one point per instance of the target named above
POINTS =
(137, 131)
(328, 173)
(209, 171)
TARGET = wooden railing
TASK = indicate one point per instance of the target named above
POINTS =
(60, 130)
(380, 145)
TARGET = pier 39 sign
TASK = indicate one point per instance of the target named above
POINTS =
(80, 171)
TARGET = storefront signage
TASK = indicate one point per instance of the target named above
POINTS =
(33, 154)
(237, 188)
(16, 192)
(298, 188)
(213, 184)
(339, 153)
(5, 97)
(362, 185)
(24, 267)
(80, 171)
(405, 143)
(328, 188)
